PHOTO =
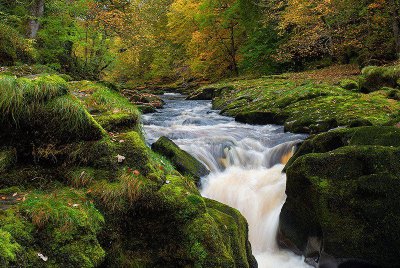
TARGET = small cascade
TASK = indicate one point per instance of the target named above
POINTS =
(246, 164)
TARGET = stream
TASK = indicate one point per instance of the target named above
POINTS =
(246, 163)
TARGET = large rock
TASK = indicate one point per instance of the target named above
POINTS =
(205, 93)
(183, 161)
(374, 78)
(343, 203)
(176, 227)
(262, 118)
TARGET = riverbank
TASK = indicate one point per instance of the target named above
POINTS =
(310, 102)
(79, 187)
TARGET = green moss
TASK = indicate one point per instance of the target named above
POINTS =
(113, 111)
(19, 95)
(82, 176)
(8, 248)
(303, 106)
(180, 200)
(183, 161)
(341, 188)
(349, 84)
(378, 77)
(67, 225)
(117, 121)
(25, 103)
(68, 117)
(122, 193)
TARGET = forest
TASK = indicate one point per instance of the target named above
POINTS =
(122, 41)
(200, 133)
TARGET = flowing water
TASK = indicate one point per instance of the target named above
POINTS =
(246, 164)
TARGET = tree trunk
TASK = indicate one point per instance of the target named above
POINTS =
(396, 26)
(37, 10)
(233, 51)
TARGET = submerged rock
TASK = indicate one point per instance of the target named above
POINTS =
(183, 161)
(343, 203)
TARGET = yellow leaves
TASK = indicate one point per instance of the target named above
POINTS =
(377, 4)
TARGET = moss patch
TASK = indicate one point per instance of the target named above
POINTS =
(303, 106)
(183, 161)
(113, 111)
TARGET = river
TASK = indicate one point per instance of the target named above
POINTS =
(246, 163)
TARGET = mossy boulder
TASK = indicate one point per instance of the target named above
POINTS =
(342, 197)
(374, 78)
(303, 106)
(233, 225)
(205, 93)
(111, 110)
(349, 84)
(261, 118)
(183, 161)
(52, 229)
(329, 141)
(176, 227)
(40, 110)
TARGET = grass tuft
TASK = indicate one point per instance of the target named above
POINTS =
(116, 196)
(19, 96)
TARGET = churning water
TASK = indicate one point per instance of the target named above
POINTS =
(246, 164)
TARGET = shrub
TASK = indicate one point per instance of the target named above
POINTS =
(13, 46)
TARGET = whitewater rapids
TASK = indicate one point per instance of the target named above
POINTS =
(246, 164)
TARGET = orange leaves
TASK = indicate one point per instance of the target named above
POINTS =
(134, 172)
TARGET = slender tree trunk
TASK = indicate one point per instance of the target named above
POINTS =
(37, 11)
(233, 51)
(396, 25)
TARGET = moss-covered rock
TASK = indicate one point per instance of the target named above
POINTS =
(261, 118)
(40, 110)
(342, 200)
(303, 106)
(377, 77)
(183, 161)
(176, 227)
(205, 93)
(349, 84)
(370, 135)
(234, 226)
(60, 226)
(111, 110)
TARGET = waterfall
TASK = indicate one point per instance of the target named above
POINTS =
(246, 164)
(258, 192)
